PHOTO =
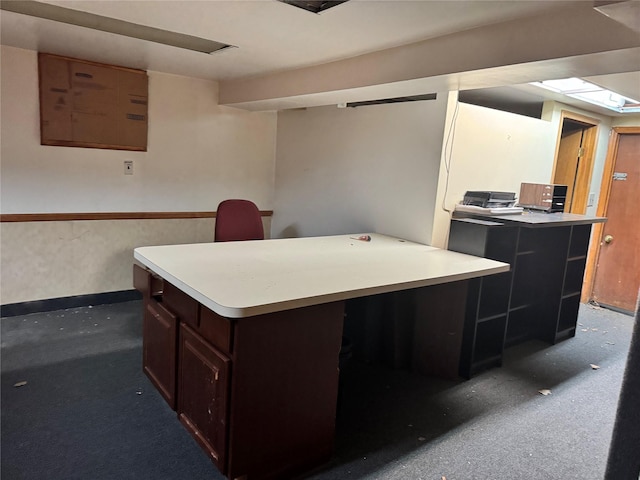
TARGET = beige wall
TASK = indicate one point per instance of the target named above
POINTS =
(365, 169)
(495, 150)
(485, 149)
(630, 121)
(380, 168)
(199, 153)
(58, 259)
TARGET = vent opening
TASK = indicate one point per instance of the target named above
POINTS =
(313, 6)
(412, 98)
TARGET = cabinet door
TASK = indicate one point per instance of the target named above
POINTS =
(159, 349)
(203, 391)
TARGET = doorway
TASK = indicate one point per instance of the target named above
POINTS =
(617, 271)
(574, 159)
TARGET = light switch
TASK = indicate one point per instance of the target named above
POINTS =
(128, 167)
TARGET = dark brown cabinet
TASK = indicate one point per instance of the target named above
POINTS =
(159, 335)
(203, 392)
(185, 356)
(159, 349)
(539, 298)
(257, 393)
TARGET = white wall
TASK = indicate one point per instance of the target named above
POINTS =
(199, 153)
(486, 149)
(627, 121)
(495, 150)
(365, 169)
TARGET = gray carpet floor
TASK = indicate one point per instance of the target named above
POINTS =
(87, 411)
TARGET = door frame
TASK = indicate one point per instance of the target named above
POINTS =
(592, 125)
(603, 206)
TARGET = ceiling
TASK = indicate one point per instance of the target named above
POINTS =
(270, 39)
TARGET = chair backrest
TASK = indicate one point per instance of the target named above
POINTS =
(238, 220)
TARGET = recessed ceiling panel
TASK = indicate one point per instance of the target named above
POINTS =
(314, 6)
(111, 25)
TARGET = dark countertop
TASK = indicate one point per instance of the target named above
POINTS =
(530, 218)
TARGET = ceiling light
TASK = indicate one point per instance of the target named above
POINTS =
(567, 85)
(591, 93)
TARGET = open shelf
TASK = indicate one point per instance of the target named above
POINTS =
(494, 295)
(538, 298)
(484, 347)
(565, 334)
(574, 276)
(525, 281)
(488, 319)
(518, 326)
(485, 364)
(568, 312)
(489, 339)
(580, 235)
(501, 244)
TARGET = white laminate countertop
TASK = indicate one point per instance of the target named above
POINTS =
(242, 279)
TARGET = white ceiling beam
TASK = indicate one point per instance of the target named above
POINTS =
(522, 50)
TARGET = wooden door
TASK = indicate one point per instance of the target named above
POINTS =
(617, 276)
(567, 166)
(575, 158)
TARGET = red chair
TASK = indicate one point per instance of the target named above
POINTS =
(238, 220)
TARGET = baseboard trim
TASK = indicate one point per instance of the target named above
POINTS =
(37, 306)
(617, 309)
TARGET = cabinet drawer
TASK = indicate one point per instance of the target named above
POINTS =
(146, 282)
(159, 349)
(215, 329)
(181, 304)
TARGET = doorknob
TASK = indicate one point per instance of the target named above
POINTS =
(608, 239)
